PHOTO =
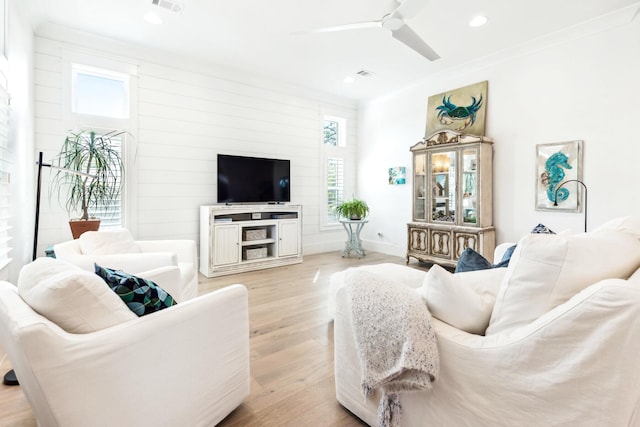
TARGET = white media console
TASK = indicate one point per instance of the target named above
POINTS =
(238, 238)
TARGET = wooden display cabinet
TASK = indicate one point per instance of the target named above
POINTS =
(452, 198)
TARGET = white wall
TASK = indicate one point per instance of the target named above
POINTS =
(186, 113)
(19, 75)
(585, 87)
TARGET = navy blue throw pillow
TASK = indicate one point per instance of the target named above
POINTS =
(504, 262)
(542, 229)
(142, 296)
(471, 260)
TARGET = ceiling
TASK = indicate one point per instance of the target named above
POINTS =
(256, 35)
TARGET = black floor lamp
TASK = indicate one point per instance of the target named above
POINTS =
(10, 377)
(555, 198)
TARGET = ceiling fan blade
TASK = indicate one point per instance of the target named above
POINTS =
(409, 37)
(409, 8)
(345, 27)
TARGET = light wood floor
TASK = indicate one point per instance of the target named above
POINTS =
(291, 342)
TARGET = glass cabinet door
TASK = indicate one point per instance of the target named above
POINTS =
(420, 187)
(470, 186)
(443, 186)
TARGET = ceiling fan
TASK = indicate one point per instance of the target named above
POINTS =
(394, 22)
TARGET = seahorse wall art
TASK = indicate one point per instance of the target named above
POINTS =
(554, 174)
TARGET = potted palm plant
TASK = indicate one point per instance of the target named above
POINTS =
(353, 209)
(90, 173)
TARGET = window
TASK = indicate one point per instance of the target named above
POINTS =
(102, 97)
(5, 248)
(334, 131)
(99, 92)
(331, 132)
(334, 152)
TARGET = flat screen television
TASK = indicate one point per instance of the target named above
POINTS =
(253, 180)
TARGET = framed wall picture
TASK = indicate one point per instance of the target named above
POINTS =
(556, 164)
(463, 110)
(397, 175)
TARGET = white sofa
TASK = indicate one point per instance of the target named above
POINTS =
(84, 359)
(118, 250)
(561, 345)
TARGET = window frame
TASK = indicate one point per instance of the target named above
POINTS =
(342, 130)
(78, 68)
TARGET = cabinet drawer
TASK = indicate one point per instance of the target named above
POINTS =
(418, 240)
(440, 243)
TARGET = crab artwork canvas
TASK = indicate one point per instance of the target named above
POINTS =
(462, 110)
(558, 165)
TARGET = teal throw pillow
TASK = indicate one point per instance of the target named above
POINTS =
(142, 296)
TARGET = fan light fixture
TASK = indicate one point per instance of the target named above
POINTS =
(393, 22)
(478, 21)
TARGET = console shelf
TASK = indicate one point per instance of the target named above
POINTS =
(241, 238)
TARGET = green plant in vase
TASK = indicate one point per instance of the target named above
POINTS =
(353, 209)
(98, 178)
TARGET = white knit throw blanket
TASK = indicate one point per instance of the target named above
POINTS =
(395, 340)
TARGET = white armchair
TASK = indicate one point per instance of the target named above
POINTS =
(575, 363)
(187, 364)
(118, 250)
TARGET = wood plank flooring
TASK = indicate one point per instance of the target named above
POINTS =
(291, 342)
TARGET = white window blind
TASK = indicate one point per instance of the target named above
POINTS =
(111, 215)
(335, 186)
(5, 196)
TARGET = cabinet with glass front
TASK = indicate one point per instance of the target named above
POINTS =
(452, 200)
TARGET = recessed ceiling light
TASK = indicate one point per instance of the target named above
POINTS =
(152, 18)
(478, 21)
(349, 79)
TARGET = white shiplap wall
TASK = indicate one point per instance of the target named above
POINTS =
(186, 113)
